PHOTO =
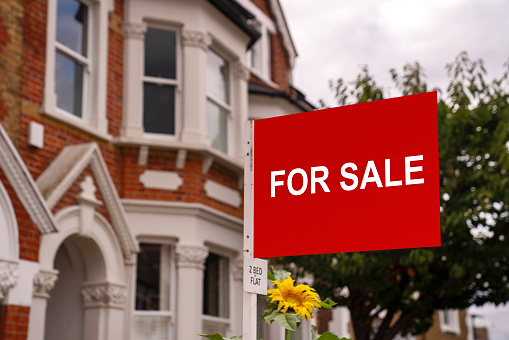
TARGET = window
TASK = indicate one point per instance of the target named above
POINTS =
(160, 81)
(449, 321)
(152, 314)
(218, 101)
(72, 61)
(216, 291)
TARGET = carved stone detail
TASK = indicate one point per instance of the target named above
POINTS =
(104, 295)
(133, 30)
(44, 282)
(238, 268)
(192, 256)
(196, 38)
(241, 71)
(8, 277)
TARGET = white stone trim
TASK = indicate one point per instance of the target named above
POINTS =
(181, 158)
(183, 208)
(207, 164)
(104, 295)
(276, 10)
(191, 256)
(222, 193)
(143, 155)
(44, 282)
(8, 277)
(241, 71)
(64, 171)
(21, 293)
(134, 30)
(196, 39)
(159, 179)
(23, 184)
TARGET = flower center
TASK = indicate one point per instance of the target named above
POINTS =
(293, 298)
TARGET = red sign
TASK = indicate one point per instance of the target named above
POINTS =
(354, 178)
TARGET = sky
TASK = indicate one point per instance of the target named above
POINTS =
(334, 38)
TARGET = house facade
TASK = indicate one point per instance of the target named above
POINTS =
(121, 161)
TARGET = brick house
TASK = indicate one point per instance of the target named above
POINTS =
(121, 164)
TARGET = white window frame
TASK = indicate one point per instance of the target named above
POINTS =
(227, 321)
(228, 107)
(453, 324)
(177, 82)
(170, 314)
(94, 91)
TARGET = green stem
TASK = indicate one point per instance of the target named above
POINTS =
(287, 334)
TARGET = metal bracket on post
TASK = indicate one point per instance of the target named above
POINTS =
(249, 299)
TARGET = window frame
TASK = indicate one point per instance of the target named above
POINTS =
(172, 293)
(177, 82)
(229, 108)
(227, 321)
(453, 324)
(94, 83)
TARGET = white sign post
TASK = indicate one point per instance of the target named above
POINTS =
(249, 298)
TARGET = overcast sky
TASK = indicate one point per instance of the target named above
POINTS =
(335, 37)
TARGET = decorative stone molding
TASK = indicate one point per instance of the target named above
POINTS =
(133, 30)
(104, 295)
(207, 164)
(87, 194)
(238, 268)
(196, 39)
(192, 256)
(44, 282)
(222, 193)
(181, 158)
(23, 184)
(160, 179)
(8, 277)
(241, 71)
(143, 155)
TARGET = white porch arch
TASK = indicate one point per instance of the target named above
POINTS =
(89, 243)
(9, 244)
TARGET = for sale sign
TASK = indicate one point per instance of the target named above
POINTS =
(354, 178)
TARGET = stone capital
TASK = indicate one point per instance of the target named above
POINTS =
(8, 277)
(104, 295)
(44, 282)
(238, 268)
(191, 256)
(196, 39)
(134, 30)
(241, 71)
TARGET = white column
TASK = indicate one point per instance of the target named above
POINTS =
(194, 129)
(190, 266)
(44, 282)
(238, 288)
(134, 37)
(240, 114)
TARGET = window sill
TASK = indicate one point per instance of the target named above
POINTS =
(265, 79)
(76, 122)
(171, 143)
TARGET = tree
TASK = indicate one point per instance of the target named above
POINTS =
(401, 289)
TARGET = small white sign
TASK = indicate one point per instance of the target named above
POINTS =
(255, 276)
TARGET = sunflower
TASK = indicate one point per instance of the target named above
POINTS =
(301, 298)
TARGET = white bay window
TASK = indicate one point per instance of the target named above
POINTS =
(219, 109)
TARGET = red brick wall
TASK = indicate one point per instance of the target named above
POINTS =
(192, 189)
(29, 238)
(115, 58)
(279, 62)
(262, 4)
(13, 322)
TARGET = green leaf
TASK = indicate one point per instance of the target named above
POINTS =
(330, 336)
(327, 304)
(236, 337)
(216, 336)
(270, 309)
(314, 335)
(280, 275)
(288, 320)
(270, 274)
(271, 317)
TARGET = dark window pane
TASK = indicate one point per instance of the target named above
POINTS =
(218, 77)
(148, 277)
(160, 56)
(72, 17)
(68, 84)
(211, 286)
(159, 108)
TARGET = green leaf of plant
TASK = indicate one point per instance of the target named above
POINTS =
(270, 274)
(270, 309)
(327, 304)
(288, 321)
(236, 337)
(271, 317)
(330, 336)
(280, 275)
(216, 336)
(314, 335)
